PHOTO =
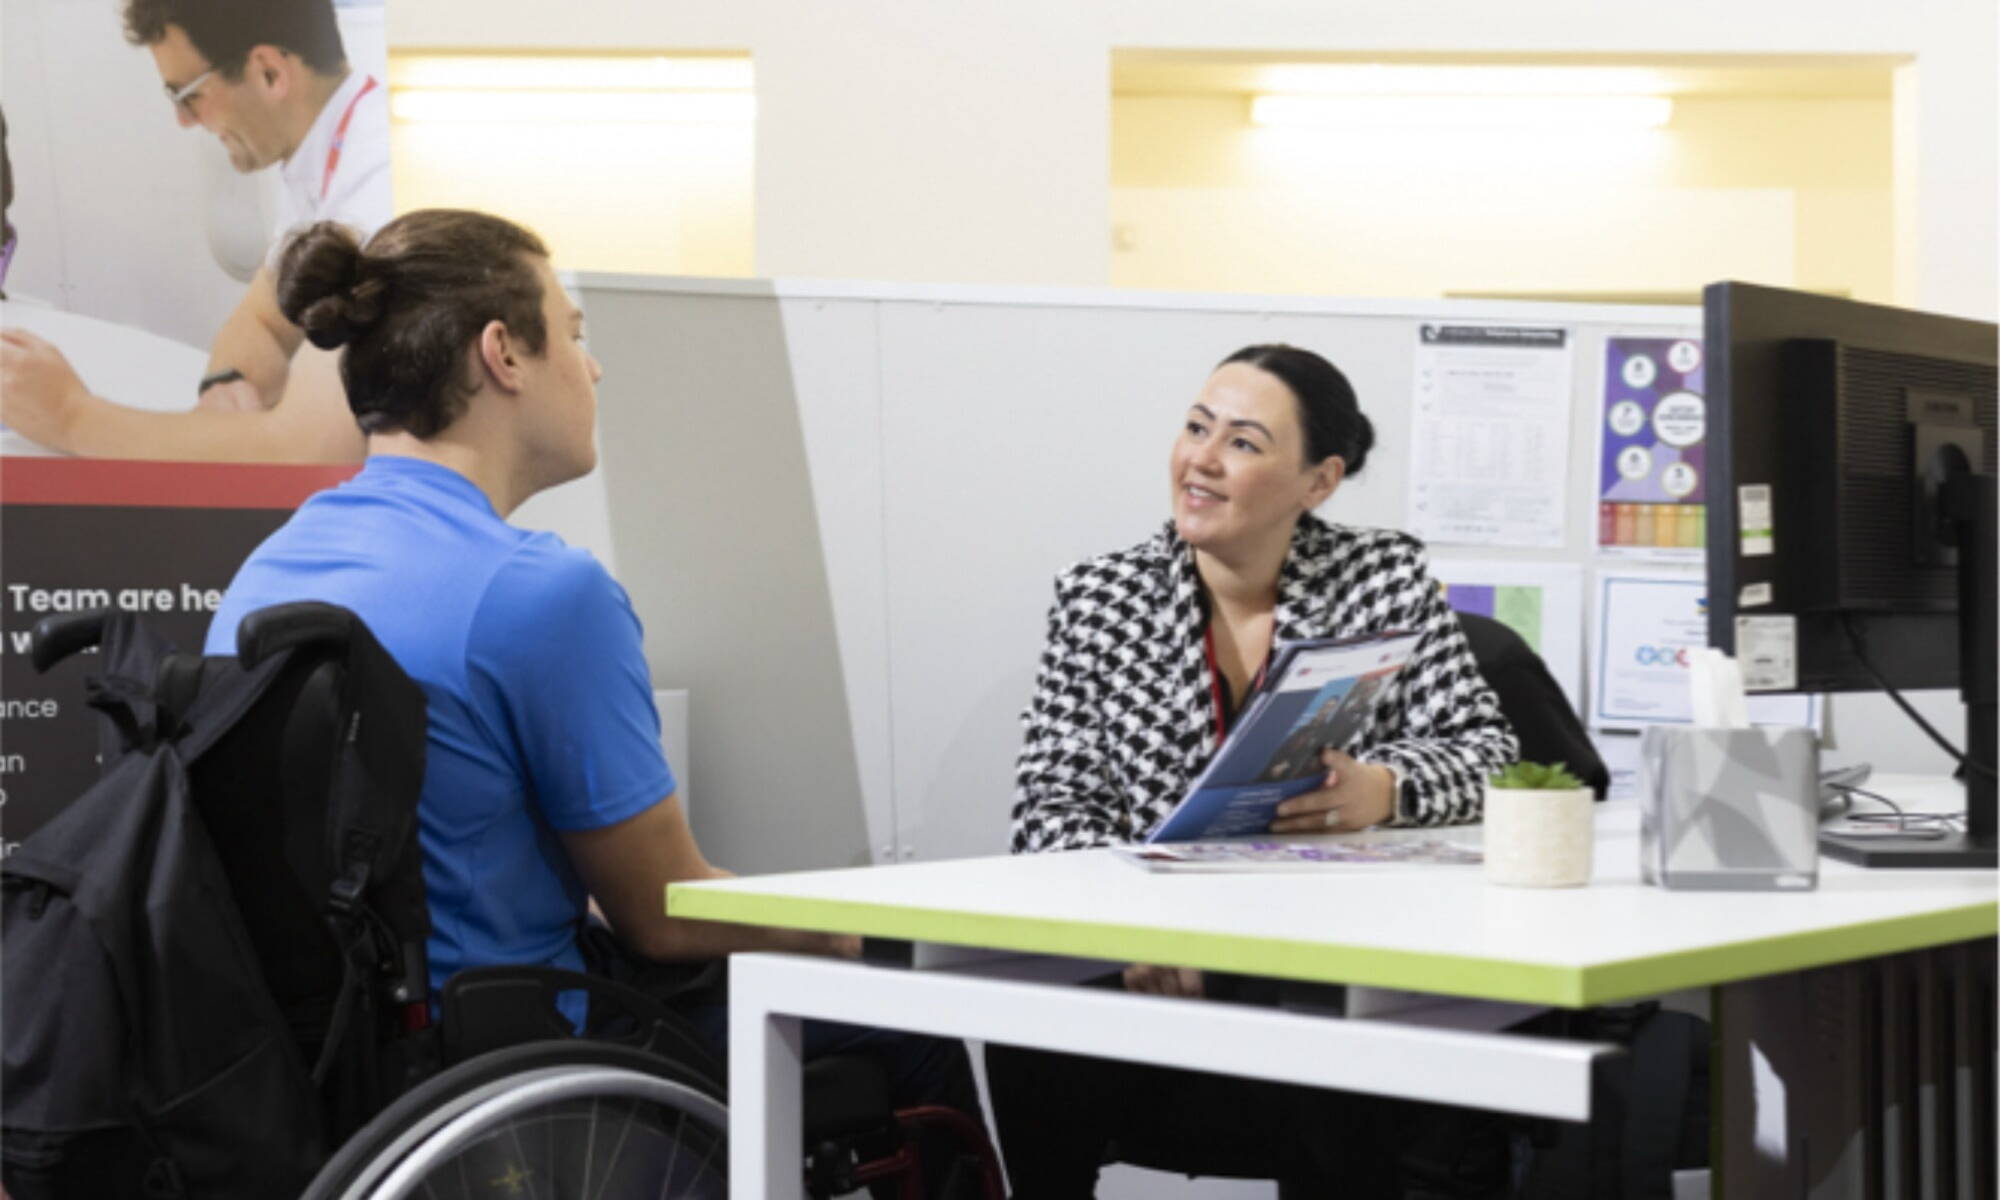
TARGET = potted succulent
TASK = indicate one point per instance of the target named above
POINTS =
(1537, 827)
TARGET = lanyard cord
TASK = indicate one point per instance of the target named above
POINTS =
(340, 137)
(1215, 681)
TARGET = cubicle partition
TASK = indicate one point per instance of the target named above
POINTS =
(839, 507)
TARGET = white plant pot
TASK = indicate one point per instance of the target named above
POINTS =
(1538, 838)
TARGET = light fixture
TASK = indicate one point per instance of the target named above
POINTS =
(1459, 79)
(1538, 113)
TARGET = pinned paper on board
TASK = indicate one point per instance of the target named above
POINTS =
(1648, 627)
(1543, 602)
(1489, 445)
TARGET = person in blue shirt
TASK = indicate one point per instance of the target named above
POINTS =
(544, 783)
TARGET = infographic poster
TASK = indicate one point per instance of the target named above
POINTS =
(1652, 457)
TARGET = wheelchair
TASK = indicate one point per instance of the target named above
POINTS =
(497, 1097)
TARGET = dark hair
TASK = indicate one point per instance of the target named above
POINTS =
(408, 305)
(225, 31)
(1328, 412)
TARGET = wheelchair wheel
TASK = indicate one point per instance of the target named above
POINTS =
(545, 1121)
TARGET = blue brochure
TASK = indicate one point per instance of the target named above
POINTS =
(1318, 695)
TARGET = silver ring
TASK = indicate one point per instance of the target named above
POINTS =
(1332, 817)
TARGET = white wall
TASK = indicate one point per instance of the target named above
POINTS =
(686, 188)
(919, 141)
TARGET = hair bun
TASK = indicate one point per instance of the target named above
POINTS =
(321, 288)
(1360, 442)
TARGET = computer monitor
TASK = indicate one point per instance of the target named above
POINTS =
(1851, 515)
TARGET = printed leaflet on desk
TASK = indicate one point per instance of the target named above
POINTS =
(1314, 855)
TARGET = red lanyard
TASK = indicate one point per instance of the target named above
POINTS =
(1215, 682)
(340, 137)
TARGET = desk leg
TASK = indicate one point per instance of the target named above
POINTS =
(766, 1057)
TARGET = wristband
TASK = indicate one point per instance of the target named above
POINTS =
(228, 375)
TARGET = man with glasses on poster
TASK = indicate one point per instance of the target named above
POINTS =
(270, 80)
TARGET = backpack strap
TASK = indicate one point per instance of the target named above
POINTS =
(121, 689)
(381, 740)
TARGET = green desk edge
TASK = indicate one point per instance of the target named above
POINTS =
(1371, 966)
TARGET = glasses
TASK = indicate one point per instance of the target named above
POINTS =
(183, 97)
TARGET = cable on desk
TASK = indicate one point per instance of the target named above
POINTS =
(1896, 823)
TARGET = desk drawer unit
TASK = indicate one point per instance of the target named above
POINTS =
(1872, 1080)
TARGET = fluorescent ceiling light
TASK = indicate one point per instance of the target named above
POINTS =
(514, 72)
(1462, 112)
(578, 107)
(1414, 79)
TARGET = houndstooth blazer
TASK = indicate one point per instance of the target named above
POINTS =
(1121, 721)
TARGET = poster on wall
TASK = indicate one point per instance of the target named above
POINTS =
(1543, 602)
(1648, 625)
(1652, 456)
(158, 539)
(1489, 446)
(156, 154)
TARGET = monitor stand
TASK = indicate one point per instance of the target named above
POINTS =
(1968, 502)
(1953, 850)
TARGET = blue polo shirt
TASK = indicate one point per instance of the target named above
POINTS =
(540, 704)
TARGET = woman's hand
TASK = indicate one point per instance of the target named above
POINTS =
(1163, 981)
(1356, 795)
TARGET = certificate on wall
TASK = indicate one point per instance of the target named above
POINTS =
(1652, 468)
(1648, 626)
(1489, 451)
(1543, 602)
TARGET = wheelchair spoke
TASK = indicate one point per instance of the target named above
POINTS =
(618, 1147)
(673, 1157)
(520, 1151)
(590, 1145)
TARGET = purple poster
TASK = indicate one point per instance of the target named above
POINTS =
(1652, 469)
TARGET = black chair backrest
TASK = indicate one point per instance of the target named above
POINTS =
(1532, 701)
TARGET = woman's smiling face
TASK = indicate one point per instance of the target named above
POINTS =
(1238, 468)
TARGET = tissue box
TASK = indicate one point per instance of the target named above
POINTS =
(1730, 809)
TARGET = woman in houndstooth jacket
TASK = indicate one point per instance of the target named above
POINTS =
(1150, 651)
(1150, 648)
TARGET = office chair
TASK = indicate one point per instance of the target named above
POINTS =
(1533, 703)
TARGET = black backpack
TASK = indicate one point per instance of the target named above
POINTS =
(213, 964)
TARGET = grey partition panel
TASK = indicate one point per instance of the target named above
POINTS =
(713, 519)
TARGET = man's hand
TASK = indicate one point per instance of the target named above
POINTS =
(1355, 795)
(40, 393)
(1163, 981)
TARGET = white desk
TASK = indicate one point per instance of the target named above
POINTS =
(1441, 930)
